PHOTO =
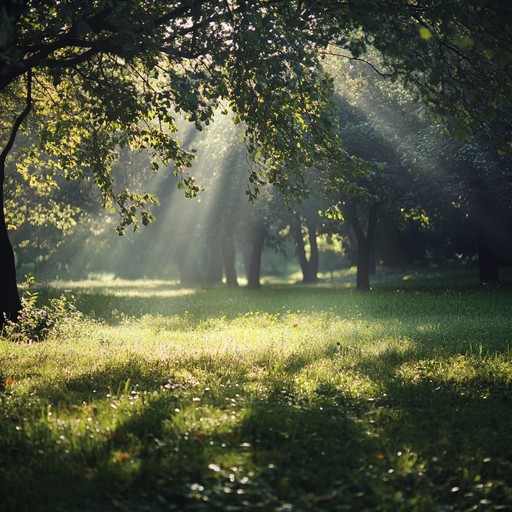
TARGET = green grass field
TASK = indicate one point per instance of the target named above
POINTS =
(291, 398)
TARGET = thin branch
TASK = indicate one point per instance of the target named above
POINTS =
(68, 62)
(17, 123)
(359, 59)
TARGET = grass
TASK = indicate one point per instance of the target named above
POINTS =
(300, 398)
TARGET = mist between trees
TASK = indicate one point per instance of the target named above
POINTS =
(425, 193)
(365, 134)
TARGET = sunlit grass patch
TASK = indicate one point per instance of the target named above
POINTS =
(473, 370)
(291, 398)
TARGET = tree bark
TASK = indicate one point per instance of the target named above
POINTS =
(309, 267)
(365, 243)
(314, 256)
(363, 266)
(228, 257)
(301, 254)
(254, 269)
(10, 303)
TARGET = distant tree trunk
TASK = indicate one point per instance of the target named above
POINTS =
(373, 256)
(254, 267)
(301, 253)
(10, 304)
(493, 232)
(228, 257)
(314, 257)
(363, 266)
(309, 267)
(365, 242)
(214, 270)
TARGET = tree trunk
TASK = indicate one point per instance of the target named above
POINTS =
(492, 226)
(228, 257)
(301, 254)
(254, 269)
(10, 304)
(363, 266)
(309, 267)
(373, 256)
(314, 257)
(365, 242)
(488, 264)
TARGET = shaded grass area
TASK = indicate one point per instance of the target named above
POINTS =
(289, 398)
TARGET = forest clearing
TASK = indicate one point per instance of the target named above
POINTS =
(255, 255)
(293, 397)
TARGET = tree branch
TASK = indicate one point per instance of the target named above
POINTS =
(334, 54)
(17, 124)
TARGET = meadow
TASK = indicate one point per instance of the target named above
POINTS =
(288, 398)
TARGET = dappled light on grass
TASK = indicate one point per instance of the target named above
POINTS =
(286, 399)
(129, 288)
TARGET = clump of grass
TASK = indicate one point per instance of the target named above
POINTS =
(313, 398)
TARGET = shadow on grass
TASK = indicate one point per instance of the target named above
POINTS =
(207, 436)
(148, 450)
(160, 443)
(390, 303)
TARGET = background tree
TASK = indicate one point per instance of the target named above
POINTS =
(435, 185)
(466, 187)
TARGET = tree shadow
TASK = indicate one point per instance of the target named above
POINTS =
(421, 442)
(150, 459)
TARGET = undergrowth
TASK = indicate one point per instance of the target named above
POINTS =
(37, 321)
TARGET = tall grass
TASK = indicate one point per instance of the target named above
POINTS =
(295, 398)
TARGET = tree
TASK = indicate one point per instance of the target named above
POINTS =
(107, 75)
(471, 185)
(308, 265)
(439, 187)
(455, 57)
(306, 223)
(99, 76)
(454, 54)
(258, 234)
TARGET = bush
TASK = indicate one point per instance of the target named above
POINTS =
(35, 323)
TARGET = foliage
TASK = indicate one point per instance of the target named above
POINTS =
(103, 77)
(40, 215)
(453, 54)
(307, 399)
(36, 323)
(332, 250)
(100, 83)
(114, 75)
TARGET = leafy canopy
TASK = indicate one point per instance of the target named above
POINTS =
(110, 74)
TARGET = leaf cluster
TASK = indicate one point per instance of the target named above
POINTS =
(110, 75)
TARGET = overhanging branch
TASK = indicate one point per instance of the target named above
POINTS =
(17, 123)
(364, 61)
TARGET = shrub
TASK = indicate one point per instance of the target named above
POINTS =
(35, 323)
